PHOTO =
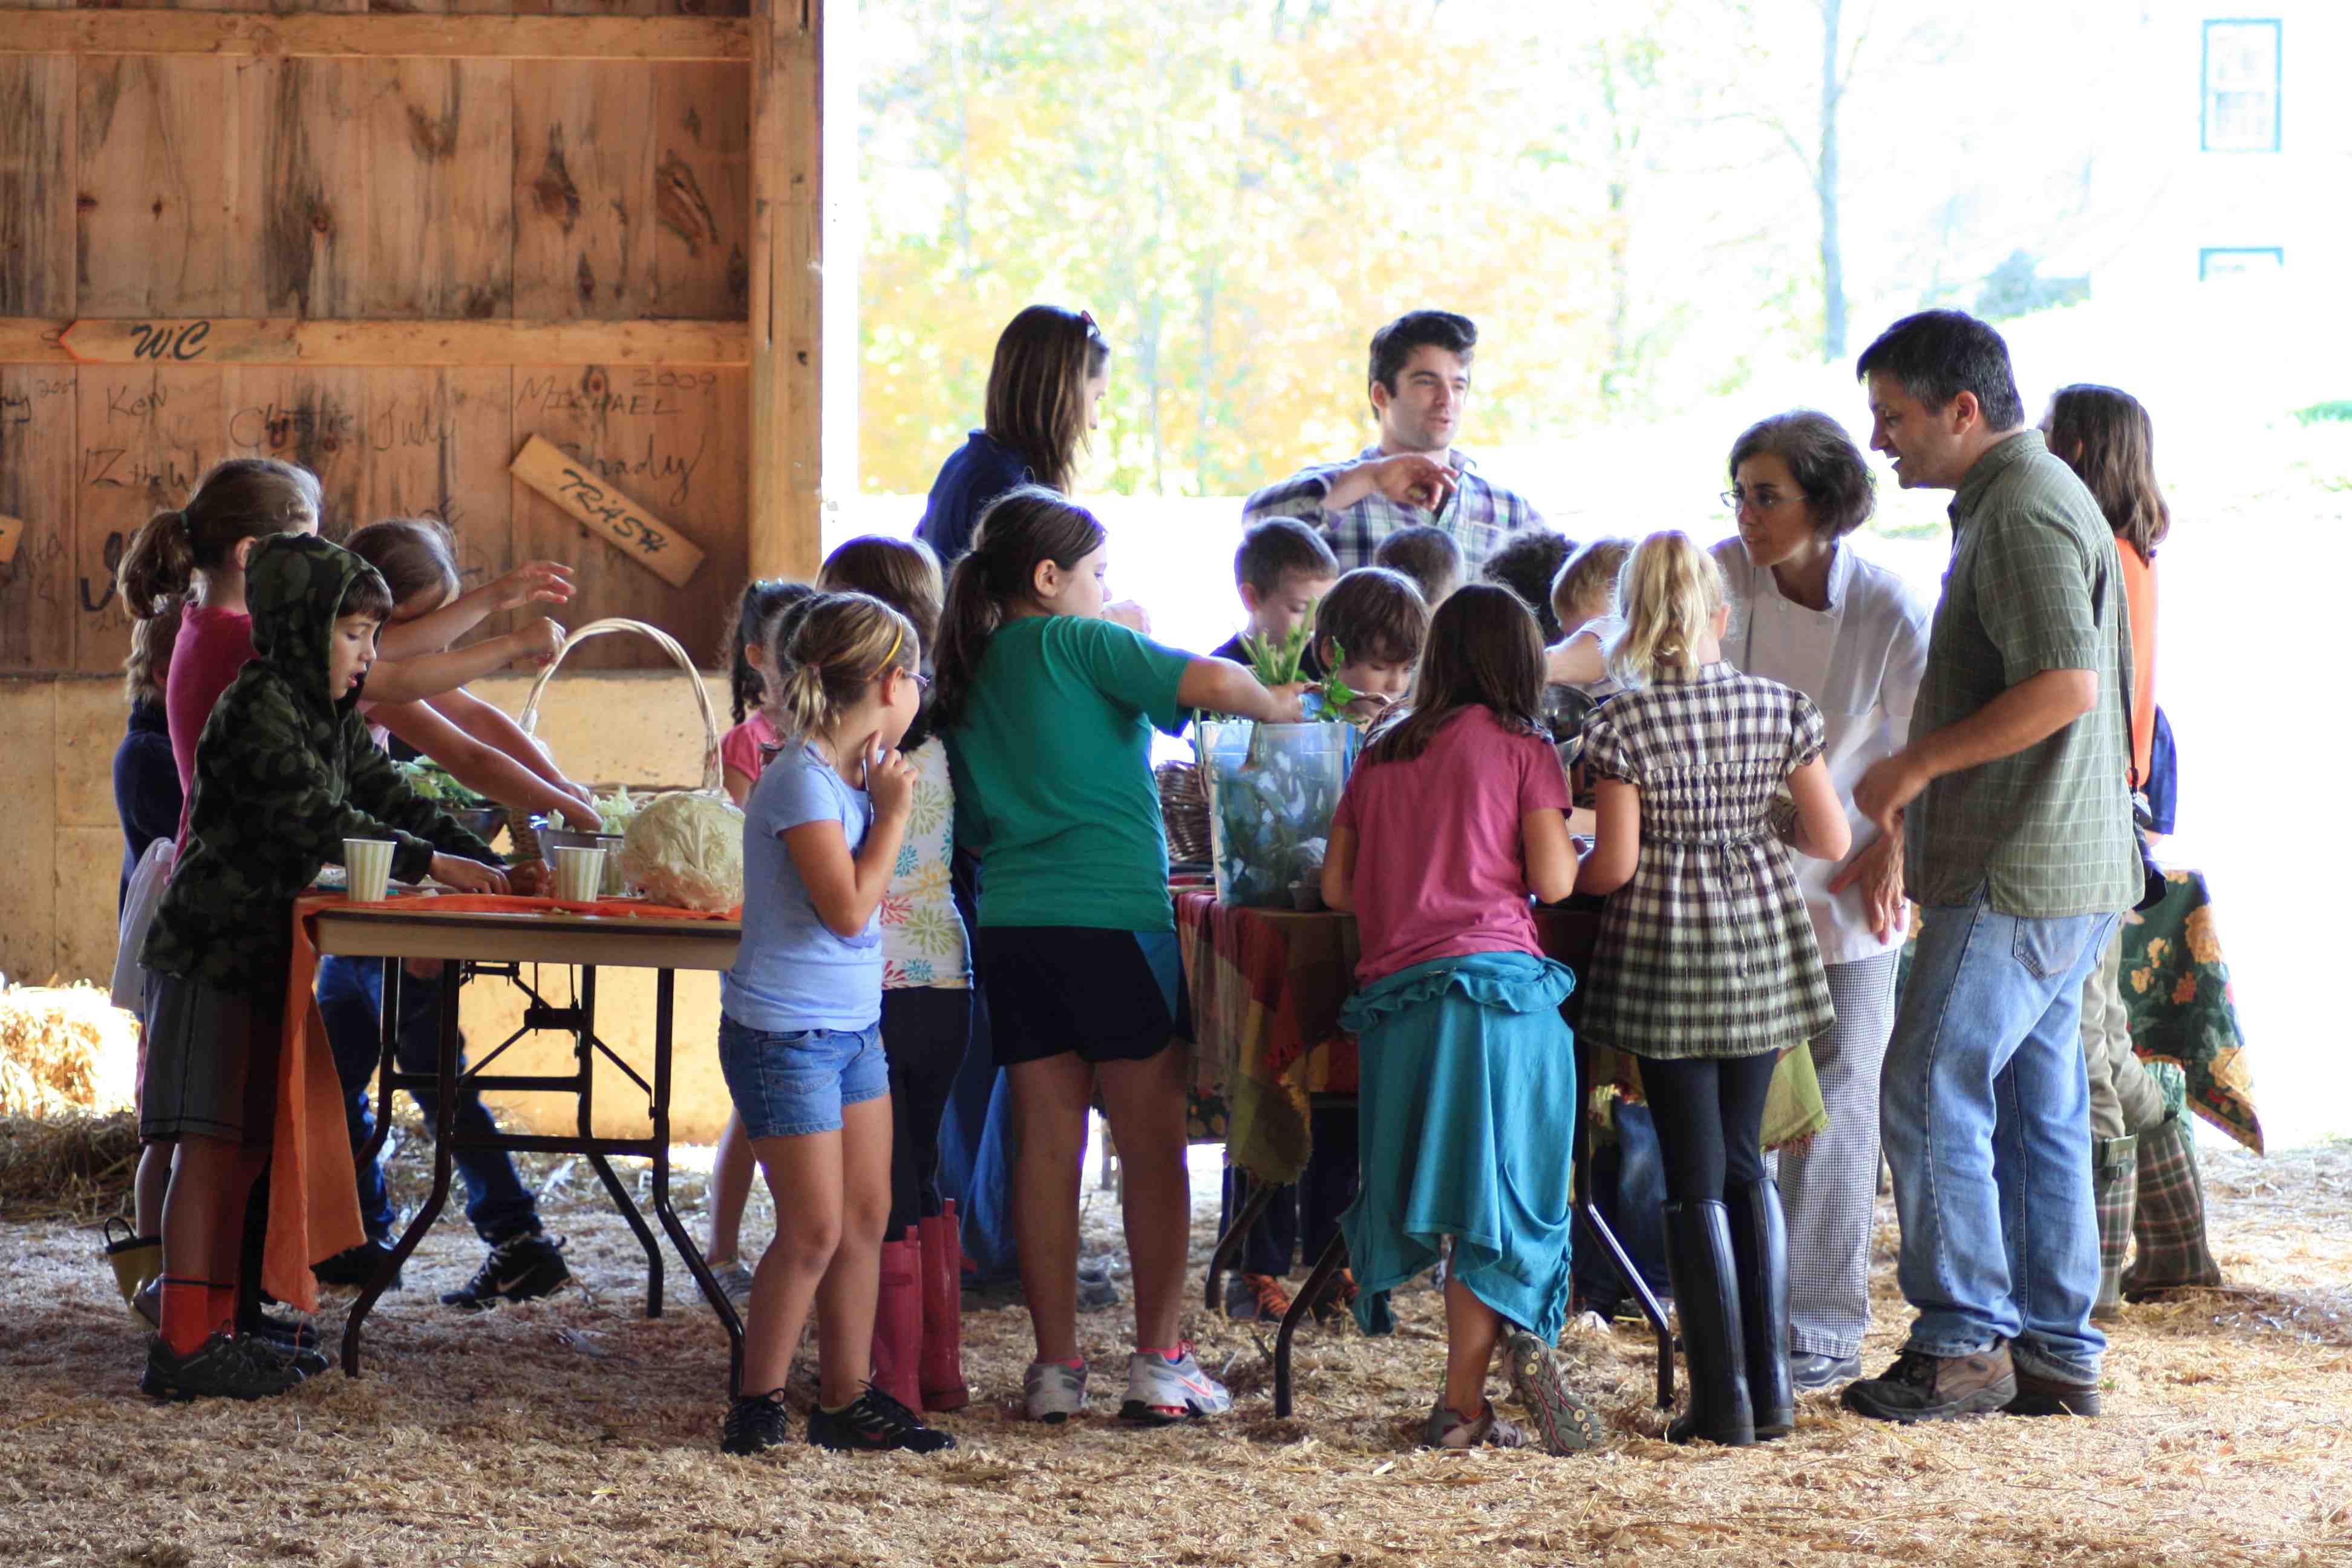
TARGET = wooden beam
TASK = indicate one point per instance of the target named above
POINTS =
(292, 340)
(378, 36)
(787, 285)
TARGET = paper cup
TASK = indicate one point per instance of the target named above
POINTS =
(579, 875)
(367, 868)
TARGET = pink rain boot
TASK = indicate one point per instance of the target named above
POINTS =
(899, 1320)
(942, 1361)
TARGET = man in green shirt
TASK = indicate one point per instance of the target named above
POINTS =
(2013, 797)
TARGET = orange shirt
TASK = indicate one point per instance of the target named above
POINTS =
(2139, 597)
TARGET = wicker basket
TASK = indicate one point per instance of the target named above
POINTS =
(519, 826)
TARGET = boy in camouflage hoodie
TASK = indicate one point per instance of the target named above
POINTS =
(285, 772)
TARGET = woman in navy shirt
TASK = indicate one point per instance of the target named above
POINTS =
(1044, 397)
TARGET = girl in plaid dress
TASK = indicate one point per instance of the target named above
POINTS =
(1705, 967)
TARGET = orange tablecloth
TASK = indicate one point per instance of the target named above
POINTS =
(314, 1210)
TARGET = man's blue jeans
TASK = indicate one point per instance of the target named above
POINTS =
(351, 1000)
(1986, 1114)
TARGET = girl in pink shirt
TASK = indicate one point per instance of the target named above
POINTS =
(1454, 816)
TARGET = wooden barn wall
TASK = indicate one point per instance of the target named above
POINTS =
(384, 190)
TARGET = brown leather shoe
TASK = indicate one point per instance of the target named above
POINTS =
(1923, 1387)
(2040, 1395)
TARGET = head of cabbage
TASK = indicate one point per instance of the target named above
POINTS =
(686, 849)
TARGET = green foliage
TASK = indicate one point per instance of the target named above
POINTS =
(2337, 411)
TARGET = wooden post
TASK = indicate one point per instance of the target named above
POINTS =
(787, 285)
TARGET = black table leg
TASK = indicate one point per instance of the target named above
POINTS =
(1334, 1258)
(445, 1131)
(664, 999)
(388, 1063)
(1261, 1193)
(1598, 1229)
(597, 1161)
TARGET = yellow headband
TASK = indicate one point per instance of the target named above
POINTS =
(890, 659)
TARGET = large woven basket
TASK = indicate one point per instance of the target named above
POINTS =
(1184, 807)
(519, 827)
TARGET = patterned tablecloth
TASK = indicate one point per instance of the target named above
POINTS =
(1266, 990)
(2177, 991)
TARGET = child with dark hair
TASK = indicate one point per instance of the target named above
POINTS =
(1370, 631)
(1526, 564)
(1454, 816)
(1281, 570)
(751, 680)
(1427, 555)
(285, 773)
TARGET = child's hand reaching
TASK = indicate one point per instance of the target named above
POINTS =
(536, 643)
(468, 875)
(889, 780)
(580, 814)
(527, 879)
(533, 581)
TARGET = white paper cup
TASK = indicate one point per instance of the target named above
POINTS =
(579, 875)
(367, 868)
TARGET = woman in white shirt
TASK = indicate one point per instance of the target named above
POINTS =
(1809, 613)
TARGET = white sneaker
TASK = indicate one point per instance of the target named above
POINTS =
(1055, 1391)
(735, 1280)
(1161, 1391)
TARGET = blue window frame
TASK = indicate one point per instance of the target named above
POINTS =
(2232, 260)
(2241, 86)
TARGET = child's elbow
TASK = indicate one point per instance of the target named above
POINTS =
(1831, 841)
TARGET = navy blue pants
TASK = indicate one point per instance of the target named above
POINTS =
(351, 1000)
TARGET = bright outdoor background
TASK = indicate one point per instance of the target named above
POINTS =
(1669, 218)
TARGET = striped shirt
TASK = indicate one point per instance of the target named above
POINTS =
(2034, 585)
(1479, 515)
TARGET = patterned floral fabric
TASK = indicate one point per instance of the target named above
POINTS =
(923, 939)
(2176, 987)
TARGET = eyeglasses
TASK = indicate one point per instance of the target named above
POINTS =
(922, 683)
(1763, 500)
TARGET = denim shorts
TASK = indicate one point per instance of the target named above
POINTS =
(795, 1082)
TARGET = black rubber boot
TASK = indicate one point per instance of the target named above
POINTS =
(1707, 1301)
(1759, 1249)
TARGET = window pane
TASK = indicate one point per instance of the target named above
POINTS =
(2242, 86)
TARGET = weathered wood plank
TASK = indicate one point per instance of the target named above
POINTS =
(158, 185)
(378, 36)
(787, 287)
(440, 441)
(303, 160)
(37, 187)
(583, 191)
(224, 339)
(702, 191)
(318, 418)
(589, 498)
(145, 436)
(36, 489)
(670, 438)
(440, 216)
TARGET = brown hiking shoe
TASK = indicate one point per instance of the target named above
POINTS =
(1923, 1387)
(2041, 1396)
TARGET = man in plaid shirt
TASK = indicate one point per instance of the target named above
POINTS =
(1420, 386)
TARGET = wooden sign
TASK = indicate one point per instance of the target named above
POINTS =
(642, 538)
(11, 530)
(292, 340)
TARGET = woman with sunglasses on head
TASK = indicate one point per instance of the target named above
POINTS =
(1807, 612)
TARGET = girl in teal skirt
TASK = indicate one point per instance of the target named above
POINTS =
(1455, 815)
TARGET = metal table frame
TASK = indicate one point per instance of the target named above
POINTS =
(1335, 1256)
(475, 943)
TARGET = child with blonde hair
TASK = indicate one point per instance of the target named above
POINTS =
(1705, 967)
(800, 1031)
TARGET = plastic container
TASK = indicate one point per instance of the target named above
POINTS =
(1272, 790)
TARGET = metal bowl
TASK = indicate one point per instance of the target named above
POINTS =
(554, 834)
(482, 821)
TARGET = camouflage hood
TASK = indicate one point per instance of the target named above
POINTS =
(294, 586)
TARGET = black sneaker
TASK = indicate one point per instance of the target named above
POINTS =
(520, 1269)
(874, 1423)
(757, 1422)
(283, 1332)
(352, 1267)
(220, 1368)
(1923, 1387)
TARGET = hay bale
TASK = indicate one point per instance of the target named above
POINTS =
(68, 1167)
(65, 1049)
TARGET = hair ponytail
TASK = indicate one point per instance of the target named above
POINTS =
(833, 648)
(241, 498)
(149, 664)
(157, 565)
(1668, 592)
(1019, 530)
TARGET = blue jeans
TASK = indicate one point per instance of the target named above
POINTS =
(351, 1000)
(795, 1083)
(1985, 1115)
